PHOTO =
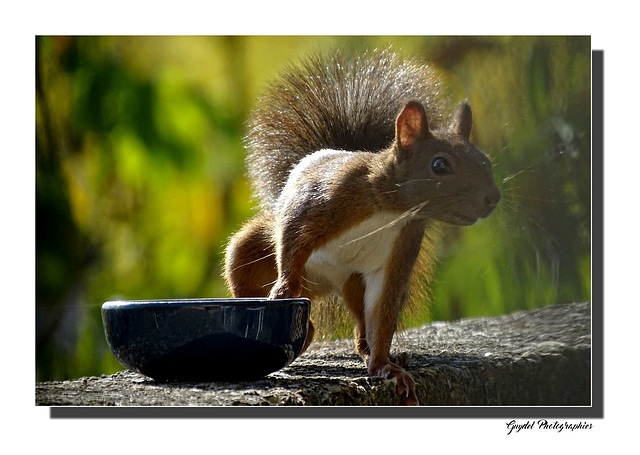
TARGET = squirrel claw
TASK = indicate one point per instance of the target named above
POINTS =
(405, 385)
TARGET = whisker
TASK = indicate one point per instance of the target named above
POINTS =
(509, 177)
(408, 182)
(254, 261)
(535, 163)
(539, 199)
(413, 181)
(411, 212)
(309, 281)
(269, 284)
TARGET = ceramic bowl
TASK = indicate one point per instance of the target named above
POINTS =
(206, 339)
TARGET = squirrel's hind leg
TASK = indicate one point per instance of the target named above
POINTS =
(250, 264)
(353, 296)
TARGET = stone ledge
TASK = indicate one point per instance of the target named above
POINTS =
(529, 358)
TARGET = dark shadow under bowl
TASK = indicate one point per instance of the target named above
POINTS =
(206, 339)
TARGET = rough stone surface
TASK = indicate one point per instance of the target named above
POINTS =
(529, 358)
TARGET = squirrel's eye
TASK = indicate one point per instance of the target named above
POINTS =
(440, 166)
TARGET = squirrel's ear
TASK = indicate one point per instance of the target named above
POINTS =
(411, 126)
(462, 119)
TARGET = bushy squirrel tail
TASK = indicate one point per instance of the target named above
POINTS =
(337, 101)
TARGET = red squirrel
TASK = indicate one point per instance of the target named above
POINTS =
(352, 163)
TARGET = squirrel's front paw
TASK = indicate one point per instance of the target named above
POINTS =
(405, 385)
(282, 290)
(401, 359)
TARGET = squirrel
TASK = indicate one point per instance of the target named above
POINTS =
(353, 161)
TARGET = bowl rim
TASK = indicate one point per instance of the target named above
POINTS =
(245, 302)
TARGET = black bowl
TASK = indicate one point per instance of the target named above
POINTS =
(206, 339)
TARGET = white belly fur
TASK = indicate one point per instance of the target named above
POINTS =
(364, 249)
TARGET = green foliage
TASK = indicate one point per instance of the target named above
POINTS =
(140, 174)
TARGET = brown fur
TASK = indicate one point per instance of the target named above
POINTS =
(310, 205)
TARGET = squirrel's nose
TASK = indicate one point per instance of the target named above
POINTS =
(491, 199)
